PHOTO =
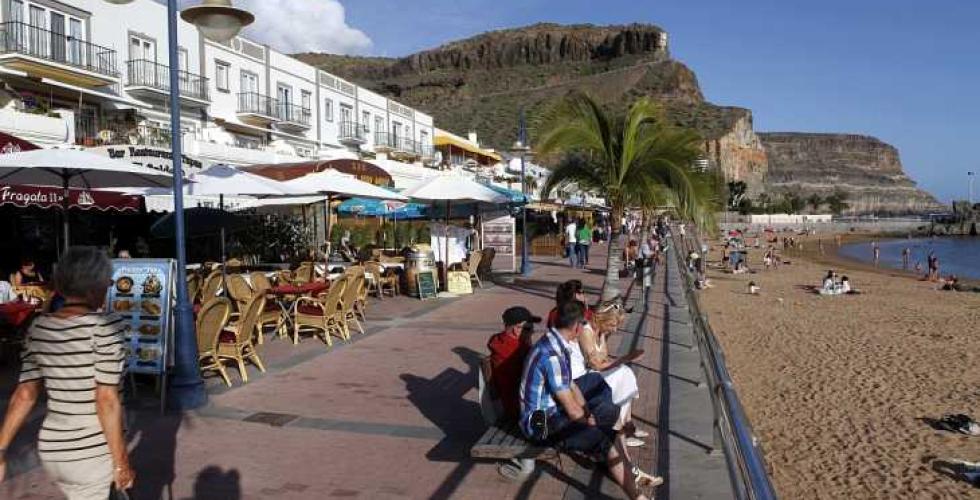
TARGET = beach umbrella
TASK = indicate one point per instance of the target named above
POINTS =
(336, 185)
(390, 209)
(450, 188)
(73, 168)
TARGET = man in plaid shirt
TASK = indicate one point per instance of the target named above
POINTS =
(553, 410)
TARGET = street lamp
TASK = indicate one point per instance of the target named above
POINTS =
(971, 175)
(216, 20)
(521, 148)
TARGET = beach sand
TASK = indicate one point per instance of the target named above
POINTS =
(836, 387)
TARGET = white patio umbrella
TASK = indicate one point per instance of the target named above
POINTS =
(450, 188)
(221, 180)
(334, 184)
(70, 168)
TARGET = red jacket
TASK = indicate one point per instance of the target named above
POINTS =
(507, 354)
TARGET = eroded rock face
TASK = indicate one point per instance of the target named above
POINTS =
(739, 154)
(867, 169)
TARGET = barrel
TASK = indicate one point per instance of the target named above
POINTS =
(415, 262)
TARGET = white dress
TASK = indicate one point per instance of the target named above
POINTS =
(621, 379)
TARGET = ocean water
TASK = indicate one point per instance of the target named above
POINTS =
(957, 255)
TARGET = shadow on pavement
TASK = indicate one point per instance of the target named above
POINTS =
(214, 482)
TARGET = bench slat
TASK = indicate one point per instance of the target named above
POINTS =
(507, 442)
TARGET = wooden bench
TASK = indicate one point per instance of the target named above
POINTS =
(503, 440)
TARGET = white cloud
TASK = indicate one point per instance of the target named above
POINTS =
(302, 26)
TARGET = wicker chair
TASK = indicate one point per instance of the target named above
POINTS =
(322, 313)
(211, 320)
(193, 287)
(237, 343)
(350, 310)
(239, 291)
(272, 314)
(473, 265)
(303, 274)
(382, 281)
(210, 287)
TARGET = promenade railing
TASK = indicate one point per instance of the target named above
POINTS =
(732, 431)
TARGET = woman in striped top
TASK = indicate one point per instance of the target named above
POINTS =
(76, 355)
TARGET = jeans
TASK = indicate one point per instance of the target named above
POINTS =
(572, 253)
(598, 398)
(583, 255)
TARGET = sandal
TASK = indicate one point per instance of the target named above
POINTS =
(643, 479)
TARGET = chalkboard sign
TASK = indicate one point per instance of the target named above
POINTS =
(427, 285)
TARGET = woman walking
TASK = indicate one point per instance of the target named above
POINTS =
(76, 356)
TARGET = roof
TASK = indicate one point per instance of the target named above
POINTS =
(443, 138)
(367, 172)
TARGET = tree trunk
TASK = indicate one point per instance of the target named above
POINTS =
(614, 261)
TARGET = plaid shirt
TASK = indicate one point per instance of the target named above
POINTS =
(547, 371)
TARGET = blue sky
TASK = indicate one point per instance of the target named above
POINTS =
(906, 72)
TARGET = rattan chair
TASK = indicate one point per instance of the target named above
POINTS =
(304, 273)
(193, 287)
(383, 281)
(349, 301)
(473, 266)
(237, 344)
(210, 287)
(272, 314)
(322, 313)
(239, 291)
(211, 320)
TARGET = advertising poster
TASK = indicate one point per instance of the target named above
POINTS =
(141, 292)
(498, 233)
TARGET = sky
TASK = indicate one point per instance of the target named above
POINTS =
(904, 71)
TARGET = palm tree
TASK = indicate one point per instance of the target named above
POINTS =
(627, 159)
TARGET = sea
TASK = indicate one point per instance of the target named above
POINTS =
(957, 255)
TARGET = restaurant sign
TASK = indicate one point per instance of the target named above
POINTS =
(53, 197)
(149, 157)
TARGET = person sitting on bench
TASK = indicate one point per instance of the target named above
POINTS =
(508, 349)
(554, 411)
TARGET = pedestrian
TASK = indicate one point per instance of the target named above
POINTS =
(584, 242)
(876, 250)
(76, 356)
(571, 242)
(906, 253)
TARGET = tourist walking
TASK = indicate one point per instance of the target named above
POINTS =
(584, 242)
(76, 356)
(906, 253)
(571, 242)
(876, 251)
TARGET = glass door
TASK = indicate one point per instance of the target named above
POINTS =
(75, 41)
(283, 94)
(35, 32)
(57, 33)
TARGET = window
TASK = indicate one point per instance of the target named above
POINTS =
(379, 124)
(424, 137)
(16, 11)
(328, 109)
(346, 113)
(305, 97)
(249, 82)
(221, 71)
(366, 120)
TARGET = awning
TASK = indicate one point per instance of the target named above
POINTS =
(51, 197)
(96, 93)
(447, 140)
(382, 208)
(361, 170)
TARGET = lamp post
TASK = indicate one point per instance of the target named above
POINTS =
(521, 148)
(971, 175)
(216, 20)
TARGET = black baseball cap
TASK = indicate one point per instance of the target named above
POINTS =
(518, 314)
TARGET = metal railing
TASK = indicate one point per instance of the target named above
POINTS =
(733, 432)
(384, 140)
(425, 150)
(146, 73)
(257, 104)
(22, 38)
(353, 131)
(288, 112)
(405, 145)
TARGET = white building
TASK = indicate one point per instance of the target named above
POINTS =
(95, 74)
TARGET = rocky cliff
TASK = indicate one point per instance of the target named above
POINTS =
(481, 83)
(865, 168)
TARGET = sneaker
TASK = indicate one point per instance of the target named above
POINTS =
(633, 442)
(637, 433)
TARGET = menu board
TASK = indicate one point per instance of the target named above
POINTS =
(142, 293)
(427, 285)
(459, 282)
(499, 234)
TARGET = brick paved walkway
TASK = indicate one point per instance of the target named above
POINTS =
(390, 416)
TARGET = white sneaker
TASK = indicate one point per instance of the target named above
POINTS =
(633, 442)
(637, 433)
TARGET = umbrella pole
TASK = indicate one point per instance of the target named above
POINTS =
(221, 206)
(64, 211)
(446, 255)
(329, 227)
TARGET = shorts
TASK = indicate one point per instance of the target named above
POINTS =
(87, 479)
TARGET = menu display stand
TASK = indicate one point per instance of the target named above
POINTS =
(143, 294)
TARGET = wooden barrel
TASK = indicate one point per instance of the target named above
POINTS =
(415, 262)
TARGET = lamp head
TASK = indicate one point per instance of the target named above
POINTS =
(217, 20)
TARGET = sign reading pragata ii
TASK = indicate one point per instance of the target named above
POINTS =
(150, 157)
(52, 197)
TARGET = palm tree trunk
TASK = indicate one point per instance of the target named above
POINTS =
(614, 261)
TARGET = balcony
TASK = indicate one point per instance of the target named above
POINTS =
(43, 53)
(384, 142)
(257, 109)
(290, 115)
(405, 148)
(426, 152)
(352, 134)
(149, 80)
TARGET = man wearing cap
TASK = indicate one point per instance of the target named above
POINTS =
(507, 352)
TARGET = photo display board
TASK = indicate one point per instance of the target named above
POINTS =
(499, 233)
(142, 293)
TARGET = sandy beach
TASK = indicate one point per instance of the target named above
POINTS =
(837, 387)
